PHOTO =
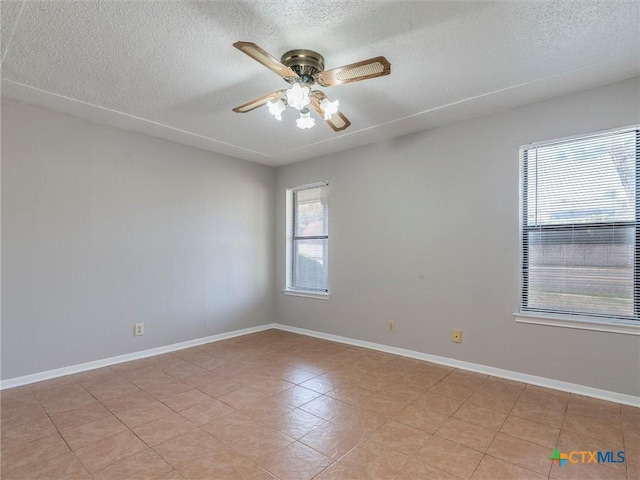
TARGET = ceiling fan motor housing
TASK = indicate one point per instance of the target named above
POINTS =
(306, 63)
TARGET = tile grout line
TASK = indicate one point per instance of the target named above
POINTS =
(267, 355)
(502, 426)
(60, 433)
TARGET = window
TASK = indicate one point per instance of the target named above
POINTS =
(308, 239)
(580, 207)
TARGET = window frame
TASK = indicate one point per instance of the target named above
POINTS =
(292, 238)
(581, 321)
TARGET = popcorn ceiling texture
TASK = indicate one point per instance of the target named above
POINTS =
(168, 69)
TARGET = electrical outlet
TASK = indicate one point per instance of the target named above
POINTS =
(456, 336)
(391, 325)
(138, 329)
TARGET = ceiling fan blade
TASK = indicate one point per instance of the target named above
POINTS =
(258, 102)
(371, 68)
(338, 121)
(266, 59)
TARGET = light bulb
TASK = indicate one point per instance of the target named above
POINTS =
(305, 120)
(276, 108)
(329, 108)
(298, 97)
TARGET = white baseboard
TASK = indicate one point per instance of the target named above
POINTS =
(474, 367)
(451, 362)
(105, 362)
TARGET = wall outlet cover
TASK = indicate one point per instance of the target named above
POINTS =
(456, 336)
(138, 329)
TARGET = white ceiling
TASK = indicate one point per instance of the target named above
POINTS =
(168, 68)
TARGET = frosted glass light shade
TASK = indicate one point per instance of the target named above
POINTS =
(305, 120)
(298, 96)
(329, 108)
(276, 108)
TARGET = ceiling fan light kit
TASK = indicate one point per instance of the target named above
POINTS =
(304, 69)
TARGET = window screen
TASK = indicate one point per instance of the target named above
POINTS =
(310, 239)
(579, 229)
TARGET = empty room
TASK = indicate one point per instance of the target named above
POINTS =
(320, 240)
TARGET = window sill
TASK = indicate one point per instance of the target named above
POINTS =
(302, 293)
(580, 323)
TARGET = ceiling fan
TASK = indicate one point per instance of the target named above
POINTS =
(304, 69)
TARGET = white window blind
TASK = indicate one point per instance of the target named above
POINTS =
(579, 230)
(310, 238)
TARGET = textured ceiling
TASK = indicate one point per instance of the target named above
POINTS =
(168, 68)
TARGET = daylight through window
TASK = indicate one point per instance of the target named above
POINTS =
(579, 226)
(308, 239)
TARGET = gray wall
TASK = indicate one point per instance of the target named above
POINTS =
(424, 230)
(102, 228)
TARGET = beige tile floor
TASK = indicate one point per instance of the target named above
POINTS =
(276, 404)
